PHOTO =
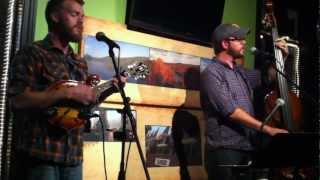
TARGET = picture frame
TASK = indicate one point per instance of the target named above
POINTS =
(176, 89)
(110, 122)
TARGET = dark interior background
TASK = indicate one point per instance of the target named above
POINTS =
(184, 20)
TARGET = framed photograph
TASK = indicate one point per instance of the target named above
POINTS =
(162, 147)
(173, 66)
(100, 63)
(165, 68)
(110, 122)
(174, 70)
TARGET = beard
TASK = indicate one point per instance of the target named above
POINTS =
(235, 53)
(71, 33)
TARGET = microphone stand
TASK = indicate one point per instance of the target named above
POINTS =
(291, 82)
(127, 113)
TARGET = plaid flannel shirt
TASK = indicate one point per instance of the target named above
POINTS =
(38, 66)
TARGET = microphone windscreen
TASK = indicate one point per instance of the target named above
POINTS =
(100, 36)
(280, 102)
(253, 50)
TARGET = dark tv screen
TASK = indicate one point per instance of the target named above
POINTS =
(184, 20)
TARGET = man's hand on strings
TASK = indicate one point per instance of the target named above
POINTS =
(282, 45)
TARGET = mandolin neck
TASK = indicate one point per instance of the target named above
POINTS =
(101, 88)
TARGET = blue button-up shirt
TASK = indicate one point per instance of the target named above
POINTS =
(222, 91)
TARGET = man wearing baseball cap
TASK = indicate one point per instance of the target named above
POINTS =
(226, 93)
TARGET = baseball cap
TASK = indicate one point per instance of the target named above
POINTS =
(224, 31)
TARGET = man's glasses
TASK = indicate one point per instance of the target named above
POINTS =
(235, 39)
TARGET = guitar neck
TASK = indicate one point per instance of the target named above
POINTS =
(103, 87)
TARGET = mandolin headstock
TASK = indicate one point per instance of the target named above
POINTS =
(137, 70)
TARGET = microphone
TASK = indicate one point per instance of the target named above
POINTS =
(279, 102)
(100, 36)
(256, 51)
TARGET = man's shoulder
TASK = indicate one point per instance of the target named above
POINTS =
(214, 67)
(33, 46)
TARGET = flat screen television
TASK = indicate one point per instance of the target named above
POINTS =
(184, 20)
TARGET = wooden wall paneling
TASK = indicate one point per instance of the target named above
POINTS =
(154, 105)
(93, 161)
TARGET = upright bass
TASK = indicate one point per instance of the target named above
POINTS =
(290, 115)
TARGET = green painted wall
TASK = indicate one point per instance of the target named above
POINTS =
(104, 9)
(242, 12)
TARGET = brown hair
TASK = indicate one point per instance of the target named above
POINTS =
(53, 6)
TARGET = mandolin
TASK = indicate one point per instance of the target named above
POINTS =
(73, 115)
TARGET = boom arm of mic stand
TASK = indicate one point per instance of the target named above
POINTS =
(128, 112)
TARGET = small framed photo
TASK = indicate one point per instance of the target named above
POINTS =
(108, 124)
